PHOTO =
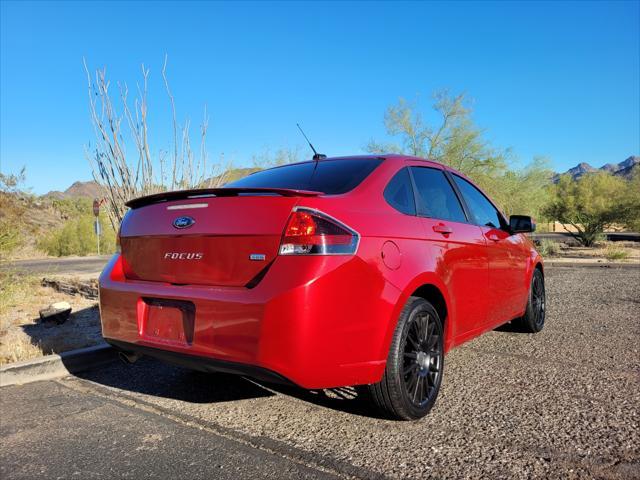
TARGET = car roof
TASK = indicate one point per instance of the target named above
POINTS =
(382, 156)
(387, 157)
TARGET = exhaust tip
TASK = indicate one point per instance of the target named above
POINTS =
(128, 358)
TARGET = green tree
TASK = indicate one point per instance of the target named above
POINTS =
(522, 191)
(591, 204)
(456, 141)
(632, 202)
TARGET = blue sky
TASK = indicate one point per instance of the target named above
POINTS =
(554, 79)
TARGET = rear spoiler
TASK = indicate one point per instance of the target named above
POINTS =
(216, 192)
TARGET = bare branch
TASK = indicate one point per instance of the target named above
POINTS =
(121, 176)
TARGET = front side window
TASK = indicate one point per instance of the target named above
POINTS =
(481, 208)
(436, 198)
(399, 193)
(328, 176)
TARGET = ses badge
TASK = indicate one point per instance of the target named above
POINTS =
(183, 222)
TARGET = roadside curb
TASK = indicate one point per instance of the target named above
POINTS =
(56, 365)
(550, 263)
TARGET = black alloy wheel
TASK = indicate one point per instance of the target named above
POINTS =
(415, 364)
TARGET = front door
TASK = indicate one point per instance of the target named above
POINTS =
(507, 266)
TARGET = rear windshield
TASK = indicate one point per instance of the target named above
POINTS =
(332, 177)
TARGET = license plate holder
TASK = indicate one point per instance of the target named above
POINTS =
(168, 321)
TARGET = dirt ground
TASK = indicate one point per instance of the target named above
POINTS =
(23, 336)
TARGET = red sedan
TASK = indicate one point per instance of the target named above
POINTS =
(327, 273)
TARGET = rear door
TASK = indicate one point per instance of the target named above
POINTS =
(459, 244)
(507, 263)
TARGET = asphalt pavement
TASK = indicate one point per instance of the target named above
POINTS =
(62, 432)
(65, 265)
(559, 404)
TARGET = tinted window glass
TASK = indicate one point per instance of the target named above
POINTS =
(399, 193)
(436, 198)
(328, 176)
(482, 209)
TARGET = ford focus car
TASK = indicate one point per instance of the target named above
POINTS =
(327, 273)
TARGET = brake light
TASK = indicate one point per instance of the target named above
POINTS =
(310, 232)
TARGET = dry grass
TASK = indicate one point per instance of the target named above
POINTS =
(548, 248)
(622, 252)
(22, 336)
(615, 252)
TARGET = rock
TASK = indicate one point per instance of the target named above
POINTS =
(87, 289)
(56, 312)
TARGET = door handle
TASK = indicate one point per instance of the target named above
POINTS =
(442, 228)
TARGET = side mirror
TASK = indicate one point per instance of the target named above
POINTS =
(521, 224)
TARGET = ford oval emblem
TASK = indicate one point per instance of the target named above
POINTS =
(183, 222)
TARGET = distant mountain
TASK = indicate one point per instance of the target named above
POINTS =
(230, 176)
(88, 189)
(91, 189)
(622, 169)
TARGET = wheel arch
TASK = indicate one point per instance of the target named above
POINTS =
(432, 289)
(433, 295)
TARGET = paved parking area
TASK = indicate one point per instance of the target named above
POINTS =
(560, 404)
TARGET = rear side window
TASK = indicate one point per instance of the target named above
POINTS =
(399, 193)
(481, 208)
(436, 198)
(329, 176)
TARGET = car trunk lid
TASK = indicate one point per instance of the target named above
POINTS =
(205, 237)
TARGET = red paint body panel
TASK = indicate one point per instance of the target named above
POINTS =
(320, 321)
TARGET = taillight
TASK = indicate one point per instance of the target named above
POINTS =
(310, 232)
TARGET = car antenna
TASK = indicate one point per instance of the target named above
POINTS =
(316, 156)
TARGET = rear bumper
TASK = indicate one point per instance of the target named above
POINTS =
(318, 322)
(203, 364)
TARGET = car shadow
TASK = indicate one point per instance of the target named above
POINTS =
(355, 400)
(149, 376)
(511, 327)
(152, 377)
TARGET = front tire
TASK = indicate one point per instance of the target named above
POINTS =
(412, 377)
(533, 319)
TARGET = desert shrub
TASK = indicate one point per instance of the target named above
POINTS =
(72, 207)
(614, 252)
(77, 237)
(600, 240)
(548, 248)
(10, 238)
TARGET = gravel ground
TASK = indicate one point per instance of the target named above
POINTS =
(559, 404)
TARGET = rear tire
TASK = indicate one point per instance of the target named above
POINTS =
(412, 377)
(533, 319)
